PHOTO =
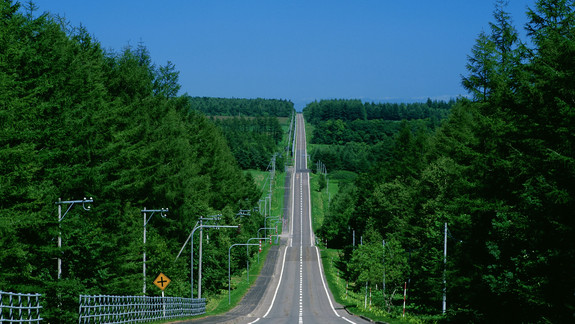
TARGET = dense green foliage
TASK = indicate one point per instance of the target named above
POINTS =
(242, 107)
(354, 136)
(79, 122)
(251, 127)
(253, 140)
(500, 171)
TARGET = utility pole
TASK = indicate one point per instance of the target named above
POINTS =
(61, 217)
(200, 261)
(192, 252)
(270, 204)
(145, 211)
(384, 269)
(216, 218)
(59, 238)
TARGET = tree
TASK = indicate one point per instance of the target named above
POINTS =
(80, 122)
(481, 68)
(166, 81)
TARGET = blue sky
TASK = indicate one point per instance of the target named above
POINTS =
(299, 50)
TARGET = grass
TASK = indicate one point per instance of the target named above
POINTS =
(320, 200)
(278, 193)
(309, 128)
(219, 304)
(318, 204)
(355, 302)
(261, 178)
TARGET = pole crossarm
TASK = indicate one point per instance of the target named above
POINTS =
(258, 238)
(244, 212)
(203, 226)
(162, 212)
(59, 203)
(265, 228)
(71, 203)
(216, 218)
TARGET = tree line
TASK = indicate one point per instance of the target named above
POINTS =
(242, 107)
(349, 110)
(499, 171)
(79, 121)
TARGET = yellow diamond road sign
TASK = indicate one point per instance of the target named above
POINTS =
(162, 281)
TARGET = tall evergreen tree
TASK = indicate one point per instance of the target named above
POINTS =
(481, 65)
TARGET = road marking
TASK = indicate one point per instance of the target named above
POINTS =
(301, 252)
(278, 286)
(292, 208)
(325, 287)
(294, 176)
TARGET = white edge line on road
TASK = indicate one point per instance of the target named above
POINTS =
(279, 283)
(325, 287)
(292, 206)
(323, 282)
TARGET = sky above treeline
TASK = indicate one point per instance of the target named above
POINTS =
(374, 50)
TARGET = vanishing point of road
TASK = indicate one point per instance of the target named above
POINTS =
(291, 287)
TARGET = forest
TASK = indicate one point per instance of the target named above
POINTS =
(353, 136)
(80, 121)
(251, 127)
(494, 181)
(253, 140)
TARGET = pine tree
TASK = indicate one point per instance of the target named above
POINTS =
(481, 68)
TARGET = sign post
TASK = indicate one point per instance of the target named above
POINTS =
(162, 282)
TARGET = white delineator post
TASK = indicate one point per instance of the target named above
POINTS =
(444, 269)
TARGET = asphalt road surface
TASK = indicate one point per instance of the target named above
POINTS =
(292, 286)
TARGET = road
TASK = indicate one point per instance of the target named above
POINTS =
(302, 295)
(297, 291)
